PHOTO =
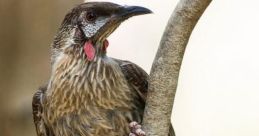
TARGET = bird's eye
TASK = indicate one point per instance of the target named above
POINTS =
(90, 16)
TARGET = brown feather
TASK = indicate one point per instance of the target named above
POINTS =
(37, 110)
(88, 98)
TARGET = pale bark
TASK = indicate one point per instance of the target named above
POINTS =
(166, 66)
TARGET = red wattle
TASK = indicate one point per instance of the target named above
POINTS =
(105, 44)
(89, 50)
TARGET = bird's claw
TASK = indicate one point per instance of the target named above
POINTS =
(136, 130)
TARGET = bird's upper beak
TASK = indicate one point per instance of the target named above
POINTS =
(122, 14)
(130, 11)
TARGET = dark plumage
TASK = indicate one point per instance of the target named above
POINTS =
(89, 93)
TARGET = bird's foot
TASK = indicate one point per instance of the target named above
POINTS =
(136, 130)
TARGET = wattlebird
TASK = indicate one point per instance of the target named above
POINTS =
(89, 93)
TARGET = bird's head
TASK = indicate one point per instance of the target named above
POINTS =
(87, 26)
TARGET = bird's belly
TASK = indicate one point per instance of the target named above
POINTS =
(84, 114)
(95, 121)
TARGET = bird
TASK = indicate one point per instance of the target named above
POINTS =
(89, 93)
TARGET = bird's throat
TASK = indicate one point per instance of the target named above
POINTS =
(90, 50)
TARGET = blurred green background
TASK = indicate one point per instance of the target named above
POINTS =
(27, 29)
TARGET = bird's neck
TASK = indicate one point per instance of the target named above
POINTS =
(71, 41)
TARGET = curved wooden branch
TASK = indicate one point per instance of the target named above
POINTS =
(166, 66)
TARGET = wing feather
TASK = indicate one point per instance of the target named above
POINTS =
(136, 77)
(37, 109)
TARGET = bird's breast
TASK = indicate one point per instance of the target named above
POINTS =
(78, 87)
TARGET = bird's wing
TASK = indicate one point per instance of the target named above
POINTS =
(136, 77)
(37, 109)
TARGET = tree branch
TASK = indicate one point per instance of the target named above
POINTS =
(166, 66)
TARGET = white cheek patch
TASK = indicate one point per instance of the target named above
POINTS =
(90, 29)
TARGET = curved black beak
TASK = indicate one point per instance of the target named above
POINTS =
(129, 11)
(120, 15)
